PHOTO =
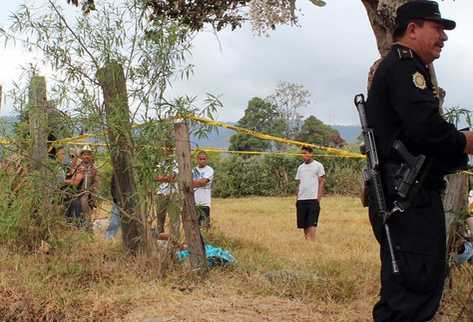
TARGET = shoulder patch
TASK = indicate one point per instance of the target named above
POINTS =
(405, 53)
(419, 80)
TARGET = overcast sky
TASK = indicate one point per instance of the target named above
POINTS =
(330, 54)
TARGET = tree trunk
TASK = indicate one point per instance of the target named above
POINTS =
(455, 200)
(190, 222)
(381, 31)
(38, 118)
(112, 81)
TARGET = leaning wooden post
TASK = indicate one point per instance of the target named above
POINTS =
(194, 240)
(112, 80)
(38, 121)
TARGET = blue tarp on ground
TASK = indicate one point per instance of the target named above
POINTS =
(215, 256)
(467, 254)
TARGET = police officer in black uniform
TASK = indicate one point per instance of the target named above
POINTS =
(402, 105)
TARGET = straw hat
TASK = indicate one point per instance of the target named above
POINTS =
(85, 148)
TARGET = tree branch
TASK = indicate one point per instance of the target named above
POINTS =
(79, 40)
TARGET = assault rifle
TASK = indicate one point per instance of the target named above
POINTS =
(405, 177)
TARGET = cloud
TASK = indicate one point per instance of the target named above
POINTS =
(330, 55)
(13, 62)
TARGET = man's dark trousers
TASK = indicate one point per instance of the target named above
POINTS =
(419, 239)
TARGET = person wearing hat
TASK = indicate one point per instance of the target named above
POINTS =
(403, 105)
(84, 179)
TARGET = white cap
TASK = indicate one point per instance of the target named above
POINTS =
(85, 148)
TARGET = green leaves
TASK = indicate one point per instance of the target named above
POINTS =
(261, 116)
(456, 115)
(315, 131)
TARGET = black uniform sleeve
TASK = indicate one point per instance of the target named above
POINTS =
(418, 110)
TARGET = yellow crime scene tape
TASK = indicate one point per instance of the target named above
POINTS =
(74, 139)
(221, 150)
(4, 141)
(260, 135)
(264, 136)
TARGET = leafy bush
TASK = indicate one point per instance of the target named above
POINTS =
(238, 177)
(30, 210)
(274, 175)
(343, 176)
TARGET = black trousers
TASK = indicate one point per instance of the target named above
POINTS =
(419, 239)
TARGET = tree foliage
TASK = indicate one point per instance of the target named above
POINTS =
(195, 14)
(75, 48)
(86, 5)
(260, 116)
(315, 131)
(288, 98)
(264, 15)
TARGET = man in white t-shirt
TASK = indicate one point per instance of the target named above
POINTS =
(202, 177)
(311, 176)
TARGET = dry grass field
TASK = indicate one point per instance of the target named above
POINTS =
(279, 275)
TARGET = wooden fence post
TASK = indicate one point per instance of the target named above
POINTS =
(190, 222)
(112, 80)
(455, 201)
(38, 121)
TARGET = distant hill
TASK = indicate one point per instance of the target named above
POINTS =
(349, 133)
(215, 139)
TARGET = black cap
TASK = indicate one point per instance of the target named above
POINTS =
(422, 9)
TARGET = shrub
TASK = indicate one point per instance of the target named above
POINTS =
(343, 176)
(238, 177)
(274, 175)
(30, 210)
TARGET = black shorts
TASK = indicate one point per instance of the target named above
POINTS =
(307, 213)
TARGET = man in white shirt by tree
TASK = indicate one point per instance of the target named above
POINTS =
(311, 176)
(202, 177)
